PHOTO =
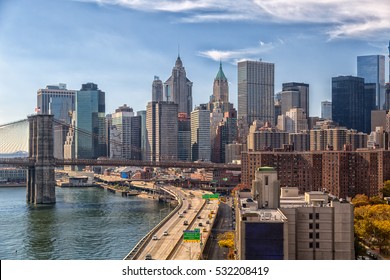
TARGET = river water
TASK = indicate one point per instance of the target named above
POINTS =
(84, 224)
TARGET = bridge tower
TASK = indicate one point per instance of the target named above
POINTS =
(40, 177)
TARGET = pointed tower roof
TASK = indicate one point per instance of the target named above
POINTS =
(178, 63)
(220, 74)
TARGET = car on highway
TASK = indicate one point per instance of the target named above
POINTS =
(155, 237)
(185, 223)
(200, 224)
(208, 222)
(204, 229)
(148, 257)
(184, 211)
(199, 217)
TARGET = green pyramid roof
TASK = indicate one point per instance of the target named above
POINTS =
(220, 74)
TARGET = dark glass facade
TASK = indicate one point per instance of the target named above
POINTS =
(90, 122)
(352, 102)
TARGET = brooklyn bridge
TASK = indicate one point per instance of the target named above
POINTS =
(29, 144)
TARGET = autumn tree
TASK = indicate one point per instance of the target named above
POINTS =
(227, 240)
(360, 200)
(372, 224)
(386, 189)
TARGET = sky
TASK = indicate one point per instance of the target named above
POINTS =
(122, 44)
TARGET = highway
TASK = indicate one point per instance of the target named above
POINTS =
(170, 246)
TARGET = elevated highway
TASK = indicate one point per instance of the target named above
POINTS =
(166, 240)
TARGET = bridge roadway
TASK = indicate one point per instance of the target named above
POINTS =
(28, 162)
(171, 246)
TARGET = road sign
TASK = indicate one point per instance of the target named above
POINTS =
(191, 235)
(211, 196)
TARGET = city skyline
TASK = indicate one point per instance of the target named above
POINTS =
(122, 45)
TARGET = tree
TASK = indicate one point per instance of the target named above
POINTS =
(376, 200)
(360, 200)
(227, 240)
(386, 189)
(372, 224)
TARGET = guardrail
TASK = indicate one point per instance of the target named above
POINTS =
(141, 244)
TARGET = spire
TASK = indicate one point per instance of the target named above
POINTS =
(220, 74)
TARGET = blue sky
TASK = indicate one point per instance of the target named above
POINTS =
(122, 44)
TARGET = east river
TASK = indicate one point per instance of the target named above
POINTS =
(84, 224)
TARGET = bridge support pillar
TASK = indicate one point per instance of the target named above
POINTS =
(40, 177)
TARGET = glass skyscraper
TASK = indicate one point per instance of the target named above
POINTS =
(372, 69)
(90, 133)
(256, 91)
(352, 102)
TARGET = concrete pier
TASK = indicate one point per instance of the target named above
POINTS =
(40, 178)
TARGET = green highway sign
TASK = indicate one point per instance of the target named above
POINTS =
(191, 235)
(211, 196)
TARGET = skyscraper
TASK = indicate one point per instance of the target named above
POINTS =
(184, 137)
(302, 90)
(200, 133)
(125, 134)
(157, 89)
(142, 114)
(90, 122)
(326, 110)
(162, 131)
(59, 101)
(220, 97)
(256, 91)
(352, 102)
(372, 69)
(178, 88)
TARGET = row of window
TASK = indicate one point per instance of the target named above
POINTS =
(311, 235)
(317, 245)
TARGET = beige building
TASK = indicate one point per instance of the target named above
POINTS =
(309, 227)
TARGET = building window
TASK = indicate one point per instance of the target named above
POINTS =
(317, 226)
(266, 180)
(317, 216)
(310, 216)
(317, 245)
(317, 235)
(310, 235)
(310, 226)
(311, 245)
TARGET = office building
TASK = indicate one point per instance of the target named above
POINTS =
(58, 101)
(266, 137)
(300, 141)
(200, 134)
(233, 153)
(256, 91)
(184, 137)
(157, 90)
(289, 100)
(125, 134)
(162, 131)
(226, 133)
(142, 114)
(220, 97)
(178, 88)
(326, 110)
(303, 95)
(293, 121)
(352, 102)
(89, 138)
(372, 69)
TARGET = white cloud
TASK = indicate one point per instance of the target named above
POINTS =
(345, 18)
(233, 56)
